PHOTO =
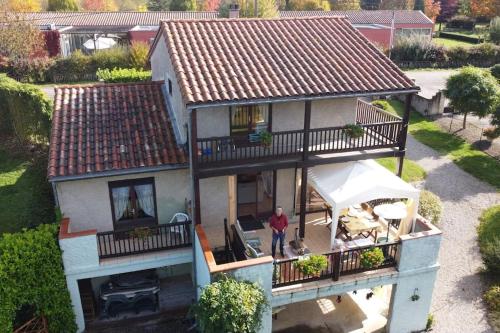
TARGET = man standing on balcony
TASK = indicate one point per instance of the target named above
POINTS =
(278, 223)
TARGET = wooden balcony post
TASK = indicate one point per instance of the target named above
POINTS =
(194, 166)
(404, 133)
(336, 265)
(305, 157)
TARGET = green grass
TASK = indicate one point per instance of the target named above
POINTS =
(450, 43)
(412, 172)
(489, 226)
(465, 156)
(25, 195)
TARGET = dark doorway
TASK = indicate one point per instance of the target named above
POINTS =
(255, 194)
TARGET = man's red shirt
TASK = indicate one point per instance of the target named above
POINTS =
(279, 223)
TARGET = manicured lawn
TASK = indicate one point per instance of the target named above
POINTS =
(449, 43)
(412, 172)
(25, 195)
(462, 153)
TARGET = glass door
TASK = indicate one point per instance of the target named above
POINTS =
(255, 194)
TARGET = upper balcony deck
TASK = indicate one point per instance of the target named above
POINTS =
(380, 131)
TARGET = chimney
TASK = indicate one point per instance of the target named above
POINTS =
(234, 11)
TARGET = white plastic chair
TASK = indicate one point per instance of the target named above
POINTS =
(180, 230)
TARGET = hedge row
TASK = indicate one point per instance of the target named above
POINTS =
(32, 276)
(25, 111)
(76, 67)
(122, 75)
(418, 49)
(460, 37)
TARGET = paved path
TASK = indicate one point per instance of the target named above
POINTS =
(430, 81)
(457, 303)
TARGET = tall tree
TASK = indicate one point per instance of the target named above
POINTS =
(419, 5)
(432, 9)
(308, 5)
(100, 5)
(370, 4)
(464, 7)
(183, 5)
(24, 5)
(484, 8)
(211, 5)
(397, 4)
(62, 5)
(448, 9)
(19, 39)
(158, 5)
(265, 8)
(472, 90)
(345, 5)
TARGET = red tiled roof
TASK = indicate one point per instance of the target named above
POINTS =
(131, 19)
(249, 59)
(367, 16)
(106, 127)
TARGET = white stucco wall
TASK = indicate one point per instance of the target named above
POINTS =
(213, 121)
(202, 270)
(214, 207)
(87, 203)
(162, 69)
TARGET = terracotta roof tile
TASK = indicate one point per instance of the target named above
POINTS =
(107, 127)
(367, 16)
(245, 59)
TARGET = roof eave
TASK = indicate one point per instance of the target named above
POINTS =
(119, 172)
(198, 105)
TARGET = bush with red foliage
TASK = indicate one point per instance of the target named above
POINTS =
(52, 44)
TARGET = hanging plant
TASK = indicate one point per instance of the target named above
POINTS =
(312, 265)
(372, 258)
(354, 131)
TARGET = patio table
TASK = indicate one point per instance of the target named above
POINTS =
(360, 226)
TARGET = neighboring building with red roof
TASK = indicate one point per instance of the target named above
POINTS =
(122, 27)
(164, 185)
(378, 25)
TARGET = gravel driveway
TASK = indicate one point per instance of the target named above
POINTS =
(457, 303)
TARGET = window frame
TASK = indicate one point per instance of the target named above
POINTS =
(232, 110)
(137, 222)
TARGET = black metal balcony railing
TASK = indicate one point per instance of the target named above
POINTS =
(339, 263)
(380, 130)
(142, 240)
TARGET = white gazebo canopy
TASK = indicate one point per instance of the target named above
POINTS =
(345, 184)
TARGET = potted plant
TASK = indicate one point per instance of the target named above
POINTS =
(354, 131)
(372, 258)
(311, 265)
(141, 234)
(266, 138)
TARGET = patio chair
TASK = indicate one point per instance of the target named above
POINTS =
(179, 229)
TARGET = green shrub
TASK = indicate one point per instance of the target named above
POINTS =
(25, 111)
(458, 54)
(372, 258)
(31, 274)
(123, 75)
(139, 55)
(486, 54)
(384, 105)
(495, 30)
(495, 71)
(490, 252)
(77, 63)
(430, 207)
(115, 57)
(312, 265)
(492, 298)
(228, 305)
